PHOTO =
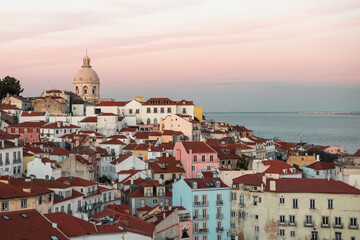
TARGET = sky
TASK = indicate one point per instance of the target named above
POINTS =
(233, 55)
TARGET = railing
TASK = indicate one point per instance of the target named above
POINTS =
(338, 225)
(292, 223)
(185, 219)
(281, 223)
(325, 225)
(219, 229)
(219, 216)
(198, 217)
(90, 193)
(351, 226)
(203, 230)
(219, 202)
(308, 224)
(201, 203)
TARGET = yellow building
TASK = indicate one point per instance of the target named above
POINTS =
(293, 208)
(141, 151)
(301, 160)
(198, 111)
(27, 157)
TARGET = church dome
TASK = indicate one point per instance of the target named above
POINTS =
(86, 74)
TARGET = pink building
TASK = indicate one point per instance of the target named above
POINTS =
(334, 150)
(195, 156)
(29, 132)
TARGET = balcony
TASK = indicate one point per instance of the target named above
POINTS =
(201, 204)
(219, 202)
(282, 223)
(325, 225)
(292, 224)
(91, 193)
(308, 224)
(352, 226)
(338, 225)
(219, 229)
(198, 217)
(219, 216)
(203, 230)
(184, 218)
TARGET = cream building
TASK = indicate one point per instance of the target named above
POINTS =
(294, 208)
(86, 82)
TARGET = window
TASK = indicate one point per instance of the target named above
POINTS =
(169, 110)
(155, 201)
(23, 203)
(233, 196)
(330, 203)
(5, 206)
(241, 200)
(325, 221)
(292, 233)
(203, 158)
(40, 200)
(314, 235)
(162, 110)
(155, 110)
(308, 220)
(256, 228)
(219, 237)
(282, 219)
(338, 222)
(312, 203)
(211, 158)
(195, 158)
(204, 213)
(148, 110)
(282, 232)
(353, 222)
(137, 111)
(53, 237)
(241, 214)
(292, 220)
(130, 111)
(338, 236)
(193, 168)
(282, 200)
(295, 203)
(233, 214)
(204, 199)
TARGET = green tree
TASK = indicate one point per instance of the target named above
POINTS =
(10, 85)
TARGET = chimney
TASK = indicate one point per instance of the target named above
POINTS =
(3, 143)
(264, 179)
(317, 158)
(58, 124)
(54, 225)
(167, 154)
(16, 142)
(272, 186)
(164, 215)
(131, 181)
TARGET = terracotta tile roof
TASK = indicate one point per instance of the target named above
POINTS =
(89, 133)
(250, 179)
(142, 147)
(167, 146)
(89, 120)
(118, 136)
(321, 165)
(158, 101)
(82, 160)
(357, 153)
(184, 102)
(279, 167)
(76, 181)
(73, 226)
(128, 130)
(122, 158)
(32, 114)
(171, 132)
(166, 165)
(309, 185)
(197, 147)
(35, 150)
(29, 125)
(101, 150)
(47, 160)
(51, 184)
(10, 191)
(113, 141)
(33, 226)
(4, 106)
(34, 188)
(27, 154)
(130, 147)
(6, 136)
(112, 104)
(142, 135)
(205, 182)
(57, 151)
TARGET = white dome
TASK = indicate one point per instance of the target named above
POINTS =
(86, 75)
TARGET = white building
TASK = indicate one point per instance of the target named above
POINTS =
(11, 156)
(31, 116)
(154, 109)
(54, 131)
(43, 168)
(319, 170)
(128, 162)
(106, 124)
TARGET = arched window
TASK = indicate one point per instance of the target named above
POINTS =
(155, 121)
(85, 90)
(148, 121)
(77, 90)
(94, 90)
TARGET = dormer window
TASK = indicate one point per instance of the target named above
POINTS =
(194, 184)
(217, 184)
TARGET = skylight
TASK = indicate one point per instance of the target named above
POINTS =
(6, 217)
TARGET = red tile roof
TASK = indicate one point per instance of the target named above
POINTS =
(29, 125)
(166, 165)
(309, 185)
(171, 132)
(198, 147)
(4, 106)
(55, 125)
(76, 181)
(130, 147)
(142, 135)
(32, 114)
(118, 136)
(112, 104)
(159, 101)
(113, 141)
(122, 158)
(184, 102)
(357, 153)
(250, 179)
(82, 160)
(73, 226)
(205, 182)
(279, 167)
(10, 191)
(33, 226)
(321, 165)
(128, 130)
(74, 194)
(57, 151)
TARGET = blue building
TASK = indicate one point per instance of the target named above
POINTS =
(208, 199)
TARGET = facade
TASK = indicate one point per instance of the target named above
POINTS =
(319, 170)
(51, 104)
(54, 131)
(208, 200)
(184, 123)
(18, 102)
(293, 208)
(154, 109)
(166, 168)
(31, 116)
(301, 160)
(347, 169)
(11, 157)
(86, 82)
(195, 156)
(43, 169)
(29, 132)
(76, 165)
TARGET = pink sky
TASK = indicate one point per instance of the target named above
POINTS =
(155, 47)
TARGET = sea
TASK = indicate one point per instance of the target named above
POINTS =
(319, 128)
